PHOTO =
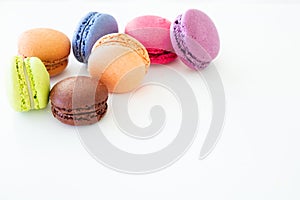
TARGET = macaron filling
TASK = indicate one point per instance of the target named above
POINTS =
(160, 56)
(55, 62)
(185, 53)
(34, 104)
(81, 114)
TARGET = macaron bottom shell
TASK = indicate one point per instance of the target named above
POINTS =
(160, 56)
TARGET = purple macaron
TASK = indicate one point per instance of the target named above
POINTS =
(195, 39)
(92, 26)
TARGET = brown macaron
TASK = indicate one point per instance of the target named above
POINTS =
(51, 46)
(79, 100)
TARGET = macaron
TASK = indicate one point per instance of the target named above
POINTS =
(195, 39)
(29, 84)
(51, 46)
(79, 100)
(91, 27)
(154, 33)
(119, 61)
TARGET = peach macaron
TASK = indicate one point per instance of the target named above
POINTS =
(119, 61)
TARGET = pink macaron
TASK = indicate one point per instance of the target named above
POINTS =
(154, 33)
(195, 39)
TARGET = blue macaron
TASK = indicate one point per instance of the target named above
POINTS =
(92, 26)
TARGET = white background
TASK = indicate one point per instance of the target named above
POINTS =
(257, 156)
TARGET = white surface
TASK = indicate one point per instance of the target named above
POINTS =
(257, 156)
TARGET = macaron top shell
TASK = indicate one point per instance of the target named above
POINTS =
(78, 92)
(152, 31)
(44, 43)
(148, 21)
(199, 27)
(124, 40)
(93, 26)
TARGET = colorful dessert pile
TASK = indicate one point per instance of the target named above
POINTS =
(116, 62)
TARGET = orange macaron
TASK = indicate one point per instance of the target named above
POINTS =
(51, 46)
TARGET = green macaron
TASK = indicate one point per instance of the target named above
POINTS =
(29, 85)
